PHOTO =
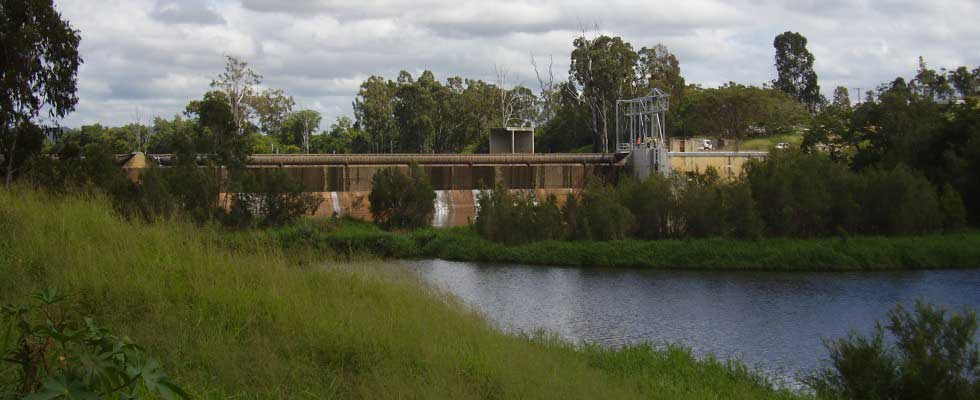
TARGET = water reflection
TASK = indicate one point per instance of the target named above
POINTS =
(770, 320)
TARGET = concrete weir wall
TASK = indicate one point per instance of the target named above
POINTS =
(729, 164)
(452, 207)
(344, 181)
(345, 189)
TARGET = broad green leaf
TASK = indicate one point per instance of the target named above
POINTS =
(49, 296)
(156, 380)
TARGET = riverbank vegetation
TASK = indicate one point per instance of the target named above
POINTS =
(929, 353)
(790, 194)
(350, 239)
(241, 320)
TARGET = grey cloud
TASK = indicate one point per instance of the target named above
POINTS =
(185, 12)
(160, 55)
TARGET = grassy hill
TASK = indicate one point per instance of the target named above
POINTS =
(238, 319)
(767, 143)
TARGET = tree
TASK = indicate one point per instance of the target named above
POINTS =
(549, 95)
(603, 67)
(342, 138)
(965, 82)
(168, 133)
(737, 111)
(414, 109)
(299, 128)
(569, 128)
(238, 83)
(658, 68)
(38, 71)
(402, 201)
(216, 130)
(374, 110)
(830, 131)
(474, 107)
(272, 107)
(516, 104)
(931, 85)
(794, 68)
(842, 98)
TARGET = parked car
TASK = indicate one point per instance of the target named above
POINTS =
(782, 145)
(706, 144)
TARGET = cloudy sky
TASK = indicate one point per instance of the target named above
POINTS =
(153, 56)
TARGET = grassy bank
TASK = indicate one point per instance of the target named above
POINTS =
(353, 238)
(235, 318)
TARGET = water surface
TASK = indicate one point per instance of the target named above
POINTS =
(773, 321)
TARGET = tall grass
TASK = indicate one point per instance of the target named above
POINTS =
(241, 321)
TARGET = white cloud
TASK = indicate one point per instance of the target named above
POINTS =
(156, 55)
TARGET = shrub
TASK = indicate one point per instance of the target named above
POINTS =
(699, 210)
(82, 167)
(58, 355)
(518, 217)
(898, 202)
(740, 212)
(402, 201)
(934, 356)
(653, 205)
(951, 205)
(155, 197)
(185, 189)
(600, 215)
(268, 197)
(802, 195)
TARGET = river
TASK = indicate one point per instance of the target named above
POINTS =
(775, 322)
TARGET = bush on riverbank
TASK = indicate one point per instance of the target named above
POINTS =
(402, 201)
(790, 194)
(930, 355)
(512, 218)
(246, 323)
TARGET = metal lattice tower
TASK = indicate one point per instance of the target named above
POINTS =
(640, 121)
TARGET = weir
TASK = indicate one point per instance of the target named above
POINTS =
(343, 181)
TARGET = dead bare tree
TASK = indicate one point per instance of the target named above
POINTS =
(511, 101)
(548, 100)
(141, 134)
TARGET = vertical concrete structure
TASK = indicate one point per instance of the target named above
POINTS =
(511, 140)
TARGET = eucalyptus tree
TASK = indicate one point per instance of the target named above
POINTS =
(931, 85)
(794, 69)
(965, 82)
(39, 63)
(374, 110)
(658, 68)
(272, 106)
(299, 128)
(216, 130)
(603, 68)
(238, 82)
(842, 98)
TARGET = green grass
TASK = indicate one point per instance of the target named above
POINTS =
(351, 239)
(234, 316)
(767, 143)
